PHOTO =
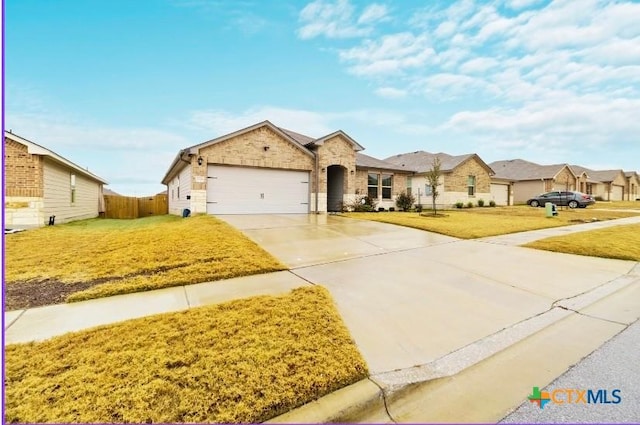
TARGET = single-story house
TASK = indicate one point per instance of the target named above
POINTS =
(529, 179)
(463, 178)
(40, 184)
(267, 169)
(608, 185)
(631, 188)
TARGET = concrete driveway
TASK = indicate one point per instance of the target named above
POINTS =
(411, 297)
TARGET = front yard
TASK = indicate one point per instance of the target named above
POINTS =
(102, 257)
(244, 361)
(481, 222)
(621, 242)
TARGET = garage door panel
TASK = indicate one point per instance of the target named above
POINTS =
(500, 193)
(245, 190)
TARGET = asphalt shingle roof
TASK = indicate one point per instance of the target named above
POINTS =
(519, 169)
(421, 161)
(367, 161)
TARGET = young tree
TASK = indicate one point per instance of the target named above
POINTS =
(433, 178)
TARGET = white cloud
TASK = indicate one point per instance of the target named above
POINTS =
(336, 19)
(391, 93)
(521, 4)
(445, 29)
(478, 65)
(373, 13)
(391, 54)
(216, 123)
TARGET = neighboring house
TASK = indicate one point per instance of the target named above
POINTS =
(40, 184)
(529, 179)
(267, 169)
(380, 180)
(464, 177)
(631, 188)
(607, 185)
(110, 192)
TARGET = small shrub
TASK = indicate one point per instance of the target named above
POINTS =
(419, 208)
(469, 204)
(481, 203)
(363, 204)
(404, 201)
(492, 203)
(599, 198)
(459, 204)
(381, 209)
(392, 209)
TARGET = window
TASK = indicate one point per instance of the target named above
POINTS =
(372, 185)
(73, 189)
(471, 185)
(387, 183)
(427, 189)
(409, 192)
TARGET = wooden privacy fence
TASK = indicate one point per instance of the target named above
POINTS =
(129, 207)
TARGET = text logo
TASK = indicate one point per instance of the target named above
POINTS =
(574, 396)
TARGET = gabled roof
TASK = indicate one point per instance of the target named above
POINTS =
(520, 170)
(629, 174)
(366, 161)
(421, 161)
(36, 149)
(321, 140)
(604, 176)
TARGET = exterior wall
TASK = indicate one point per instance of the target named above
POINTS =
(178, 198)
(23, 172)
(456, 181)
(398, 185)
(57, 194)
(23, 212)
(564, 180)
(335, 151)
(631, 190)
(248, 149)
(501, 193)
(418, 182)
(525, 190)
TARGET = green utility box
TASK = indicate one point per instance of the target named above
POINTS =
(551, 209)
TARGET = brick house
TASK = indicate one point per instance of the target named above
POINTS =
(464, 177)
(40, 184)
(631, 191)
(529, 179)
(607, 185)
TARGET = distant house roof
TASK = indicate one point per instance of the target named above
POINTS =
(604, 176)
(106, 191)
(421, 161)
(366, 161)
(519, 170)
(36, 149)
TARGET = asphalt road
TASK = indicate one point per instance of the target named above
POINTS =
(615, 365)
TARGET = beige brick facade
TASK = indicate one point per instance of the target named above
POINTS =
(337, 151)
(457, 180)
(248, 150)
(564, 180)
(23, 171)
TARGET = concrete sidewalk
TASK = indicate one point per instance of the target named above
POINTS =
(420, 306)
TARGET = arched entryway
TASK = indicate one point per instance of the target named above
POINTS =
(335, 187)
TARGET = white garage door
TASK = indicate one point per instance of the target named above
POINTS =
(500, 193)
(247, 190)
(617, 193)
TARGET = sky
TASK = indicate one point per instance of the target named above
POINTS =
(120, 86)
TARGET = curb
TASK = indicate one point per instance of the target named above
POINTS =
(366, 401)
(359, 402)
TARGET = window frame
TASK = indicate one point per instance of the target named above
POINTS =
(370, 186)
(388, 187)
(471, 186)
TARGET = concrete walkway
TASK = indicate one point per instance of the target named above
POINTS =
(420, 306)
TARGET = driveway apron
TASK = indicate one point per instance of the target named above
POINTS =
(410, 297)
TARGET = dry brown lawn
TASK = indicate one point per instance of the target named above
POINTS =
(242, 361)
(102, 257)
(621, 242)
(634, 205)
(481, 222)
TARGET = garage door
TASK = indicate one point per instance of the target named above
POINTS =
(248, 190)
(617, 193)
(500, 193)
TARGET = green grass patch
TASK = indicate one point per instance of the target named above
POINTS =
(482, 222)
(620, 242)
(242, 361)
(124, 256)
